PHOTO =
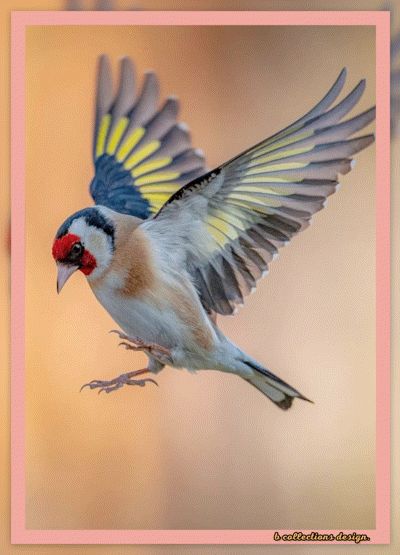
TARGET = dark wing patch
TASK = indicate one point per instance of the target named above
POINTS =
(142, 155)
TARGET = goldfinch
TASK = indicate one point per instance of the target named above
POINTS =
(168, 246)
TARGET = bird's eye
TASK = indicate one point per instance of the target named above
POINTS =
(76, 250)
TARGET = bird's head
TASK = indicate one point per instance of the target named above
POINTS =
(84, 242)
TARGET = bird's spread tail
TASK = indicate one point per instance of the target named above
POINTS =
(280, 392)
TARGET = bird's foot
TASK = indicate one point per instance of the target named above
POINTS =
(124, 379)
(162, 354)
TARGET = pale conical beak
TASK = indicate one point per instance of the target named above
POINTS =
(64, 271)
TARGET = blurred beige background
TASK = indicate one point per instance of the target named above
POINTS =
(205, 450)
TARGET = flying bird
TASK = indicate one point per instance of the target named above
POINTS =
(168, 245)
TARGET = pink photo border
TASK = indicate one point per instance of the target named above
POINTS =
(20, 20)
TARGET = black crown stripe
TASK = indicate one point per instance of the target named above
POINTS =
(93, 217)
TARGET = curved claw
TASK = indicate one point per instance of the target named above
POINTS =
(109, 388)
(128, 346)
(92, 385)
(89, 384)
(117, 332)
(106, 389)
(151, 380)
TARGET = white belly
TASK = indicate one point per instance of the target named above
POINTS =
(160, 324)
(156, 321)
(137, 318)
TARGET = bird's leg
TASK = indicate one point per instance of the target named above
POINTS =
(119, 381)
(162, 354)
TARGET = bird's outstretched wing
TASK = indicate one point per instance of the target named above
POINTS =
(226, 226)
(142, 155)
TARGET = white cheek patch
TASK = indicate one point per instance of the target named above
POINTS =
(96, 242)
(79, 227)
